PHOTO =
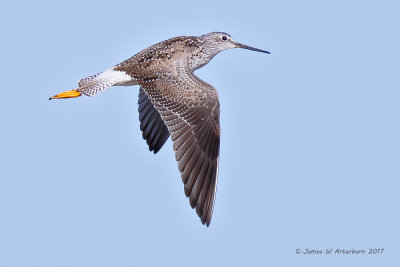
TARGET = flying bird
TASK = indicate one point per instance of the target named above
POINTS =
(174, 101)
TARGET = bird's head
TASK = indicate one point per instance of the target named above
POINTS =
(220, 41)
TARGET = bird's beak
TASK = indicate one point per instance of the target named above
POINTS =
(250, 48)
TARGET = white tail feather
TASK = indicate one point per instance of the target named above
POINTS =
(95, 84)
(86, 80)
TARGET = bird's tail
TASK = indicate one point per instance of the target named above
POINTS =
(95, 84)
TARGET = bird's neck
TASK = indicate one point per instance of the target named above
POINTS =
(202, 56)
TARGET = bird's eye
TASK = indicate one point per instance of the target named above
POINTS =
(224, 38)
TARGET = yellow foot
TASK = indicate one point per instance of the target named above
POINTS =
(67, 94)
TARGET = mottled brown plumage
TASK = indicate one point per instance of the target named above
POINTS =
(172, 100)
(188, 107)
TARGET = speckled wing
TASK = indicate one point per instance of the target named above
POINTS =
(189, 108)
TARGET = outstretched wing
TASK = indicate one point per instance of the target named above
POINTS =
(155, 132)
(189, 108)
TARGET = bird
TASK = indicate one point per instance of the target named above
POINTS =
(174, 101)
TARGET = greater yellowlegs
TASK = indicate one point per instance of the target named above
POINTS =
(173, 100)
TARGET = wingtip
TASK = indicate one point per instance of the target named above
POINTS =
(206, 222)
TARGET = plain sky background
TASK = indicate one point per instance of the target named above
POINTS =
(310, 150)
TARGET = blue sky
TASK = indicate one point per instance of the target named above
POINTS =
(310, 144)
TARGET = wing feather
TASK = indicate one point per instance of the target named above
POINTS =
(190, 111)
(155, 132)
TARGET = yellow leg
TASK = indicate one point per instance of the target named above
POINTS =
(67, 94)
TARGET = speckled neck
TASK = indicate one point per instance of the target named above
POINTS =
(204, 53)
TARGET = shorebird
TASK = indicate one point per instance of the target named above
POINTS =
(174, 101)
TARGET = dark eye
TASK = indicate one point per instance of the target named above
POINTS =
(224, 38)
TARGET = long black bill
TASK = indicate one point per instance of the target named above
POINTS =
(251, 48)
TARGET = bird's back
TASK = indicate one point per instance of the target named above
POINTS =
(162, 57)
